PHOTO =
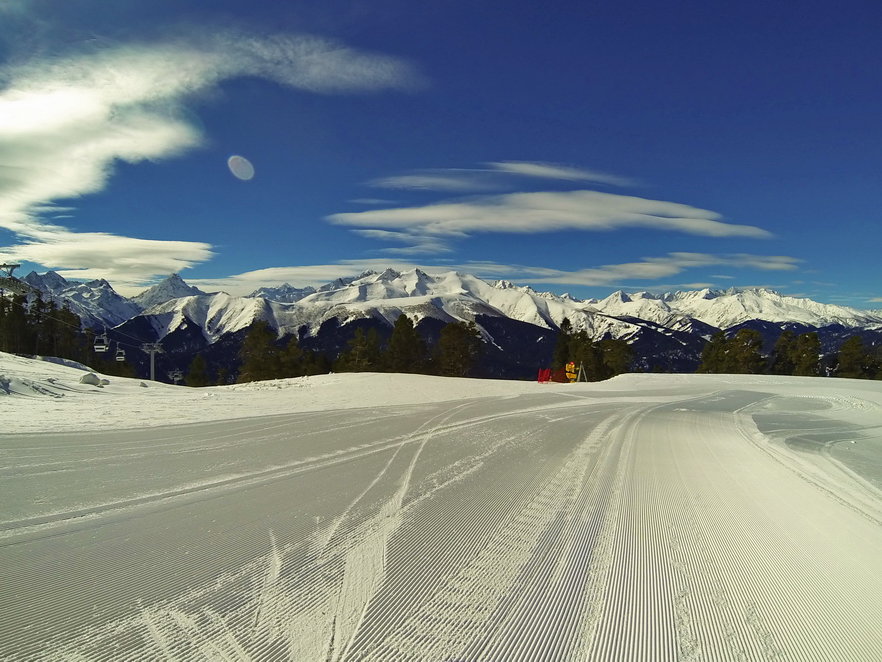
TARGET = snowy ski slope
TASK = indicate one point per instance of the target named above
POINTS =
(651, 517)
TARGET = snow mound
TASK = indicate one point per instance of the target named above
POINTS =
(67, 404)
(47, 396)
(29, 388)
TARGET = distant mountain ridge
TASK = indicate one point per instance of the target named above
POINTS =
(727, 308)
(95, 302)
(452, 295)
(673, 326)
(285, 293)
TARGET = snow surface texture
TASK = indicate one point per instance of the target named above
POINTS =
(651, 517)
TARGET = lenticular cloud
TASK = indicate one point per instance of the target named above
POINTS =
(65, 122)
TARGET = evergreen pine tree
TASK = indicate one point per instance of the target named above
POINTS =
(782, 354)
(581, 350)
(17, 335)
(713, 355)
(459, 347)
(807, 355)
(362, 353)
(562, 348)
(259, 354)
(617, 356)
(855, 361)
(41, 323)
(197, 372)
(874, 368)
(316, 363)
(5, 309)
(291, 359)
(744, 353)
(406, 351)
(68, 339)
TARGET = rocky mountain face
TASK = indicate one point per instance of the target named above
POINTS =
(95, 301)
(172, 287)
(518, 324)
(286, 293)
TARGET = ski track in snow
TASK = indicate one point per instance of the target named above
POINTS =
(549, 527)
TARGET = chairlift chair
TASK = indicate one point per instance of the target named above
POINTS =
(101, 343)
(120, 354)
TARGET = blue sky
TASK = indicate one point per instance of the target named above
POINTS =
(582, 147)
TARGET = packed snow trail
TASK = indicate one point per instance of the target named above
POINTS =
(704, 520)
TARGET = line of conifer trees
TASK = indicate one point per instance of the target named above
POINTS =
(792, 355)
(263, 356)
(37, 327)
(32, 326)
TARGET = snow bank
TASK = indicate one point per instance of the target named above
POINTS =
(43, 396)
(46, 395)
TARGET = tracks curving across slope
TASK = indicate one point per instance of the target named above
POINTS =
(549, 527)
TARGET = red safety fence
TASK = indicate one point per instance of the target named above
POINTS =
(548, 375)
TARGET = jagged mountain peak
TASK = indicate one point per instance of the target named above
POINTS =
(95, 302)
(389, 274)
(172, 287)
(51, 281)
(619, 296)
(285, 293)
(339, 283)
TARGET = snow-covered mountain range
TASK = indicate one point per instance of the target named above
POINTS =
(727, 308)
(95, 301)
(383, 297)
(446, 297)
(519, 324)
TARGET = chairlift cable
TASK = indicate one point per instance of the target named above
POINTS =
(79, 328)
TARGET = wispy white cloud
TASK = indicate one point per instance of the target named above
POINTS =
(547, 212)
(373, 201)
(561, 172)
(416, 243)
(497, 177)
(15, 7)
(649, 268)
(65, 122)
(125, 261)
(440, 180)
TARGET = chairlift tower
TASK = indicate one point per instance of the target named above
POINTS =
(152, 348)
